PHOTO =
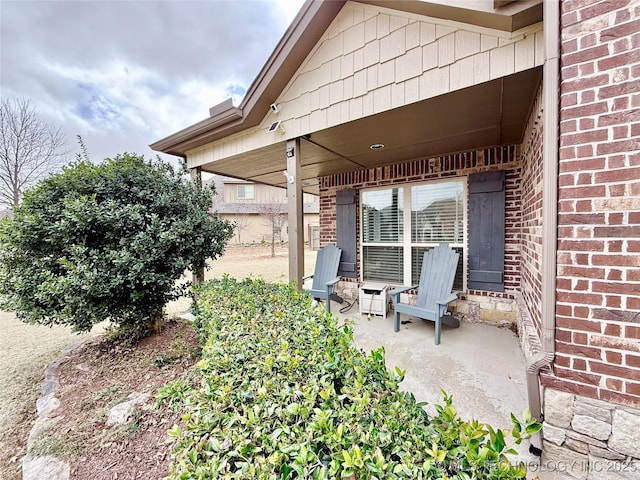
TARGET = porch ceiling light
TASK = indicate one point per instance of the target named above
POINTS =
(377, 146)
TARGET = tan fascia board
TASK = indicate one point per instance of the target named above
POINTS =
(298, 41)
(508, 18)
(177, 143)
(292, 49)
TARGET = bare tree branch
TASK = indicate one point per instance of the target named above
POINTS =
(30, 149)
(275, 213)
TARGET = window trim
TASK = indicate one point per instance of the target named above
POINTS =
(244, 187)
(407, 244)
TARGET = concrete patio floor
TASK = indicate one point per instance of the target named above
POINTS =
(480, 365)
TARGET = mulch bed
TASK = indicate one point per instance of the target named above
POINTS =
(92, 380)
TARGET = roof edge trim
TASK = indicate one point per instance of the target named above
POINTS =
(229, 119)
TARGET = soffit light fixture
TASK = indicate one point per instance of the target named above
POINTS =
(377, 146)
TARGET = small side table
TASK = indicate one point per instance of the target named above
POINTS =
(374, 299)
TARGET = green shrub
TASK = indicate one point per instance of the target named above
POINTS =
(285, 394)
(106, 242)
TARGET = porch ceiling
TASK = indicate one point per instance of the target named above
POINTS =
(490, 114)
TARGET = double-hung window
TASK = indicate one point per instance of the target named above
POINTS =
(244, 192)
(400, 223)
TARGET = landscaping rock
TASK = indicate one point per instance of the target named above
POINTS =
(45, 467)
(47, 404)
(121, 413)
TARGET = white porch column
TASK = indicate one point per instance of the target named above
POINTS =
(295, 211)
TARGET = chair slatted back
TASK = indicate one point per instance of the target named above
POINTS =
(327, 263)
(436, 276)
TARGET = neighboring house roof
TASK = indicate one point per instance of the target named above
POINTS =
(254, 208)
(249, 207)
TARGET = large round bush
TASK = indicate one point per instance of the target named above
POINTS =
(106, 242)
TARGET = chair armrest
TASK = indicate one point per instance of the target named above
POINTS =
(447, 299)
(307, 277)
(398, 291)
(333, 282)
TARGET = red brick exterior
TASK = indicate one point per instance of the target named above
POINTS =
(598, 283)
(531, 248)
(598, 249)
(448, 166)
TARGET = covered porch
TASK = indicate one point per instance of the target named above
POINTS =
(482, 366)
(399, 97)
(361, 86)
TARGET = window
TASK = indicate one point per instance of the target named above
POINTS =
(244, 192)
(399, 224)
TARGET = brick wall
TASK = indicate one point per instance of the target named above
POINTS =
(498, 158)
(531, 233)
(598, 287)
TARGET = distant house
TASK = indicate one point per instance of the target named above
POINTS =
(260, 210)
(390, 109)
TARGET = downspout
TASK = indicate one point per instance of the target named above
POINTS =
(550, 157)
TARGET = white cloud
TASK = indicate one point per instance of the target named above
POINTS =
(287, 10)
(125, 74)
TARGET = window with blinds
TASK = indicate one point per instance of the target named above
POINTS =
(399, 224)
(382, 216)
(382, 224)
(437, 213)
(382, 264)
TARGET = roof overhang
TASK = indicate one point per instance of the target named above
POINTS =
(225, 119)
(490, 114)
(301, 37)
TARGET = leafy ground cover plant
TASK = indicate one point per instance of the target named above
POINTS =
(106, 242)
(284, 394)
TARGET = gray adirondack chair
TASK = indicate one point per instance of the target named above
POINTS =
(434, 291)
(325, 275)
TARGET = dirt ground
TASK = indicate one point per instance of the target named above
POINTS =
(92, 381)
(26, 349)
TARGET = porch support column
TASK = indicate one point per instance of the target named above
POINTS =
(196, 177)
(294, 200)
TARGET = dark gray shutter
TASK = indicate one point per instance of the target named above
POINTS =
(346, 215)
(486, 231)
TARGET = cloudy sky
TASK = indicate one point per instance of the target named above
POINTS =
(123, 74)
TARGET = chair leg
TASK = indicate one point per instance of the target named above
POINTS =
(327, 300)
(396, 321)
(438, 325)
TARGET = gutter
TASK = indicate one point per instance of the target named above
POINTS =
(550, 157)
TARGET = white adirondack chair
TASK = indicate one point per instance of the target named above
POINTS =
(434, 291)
